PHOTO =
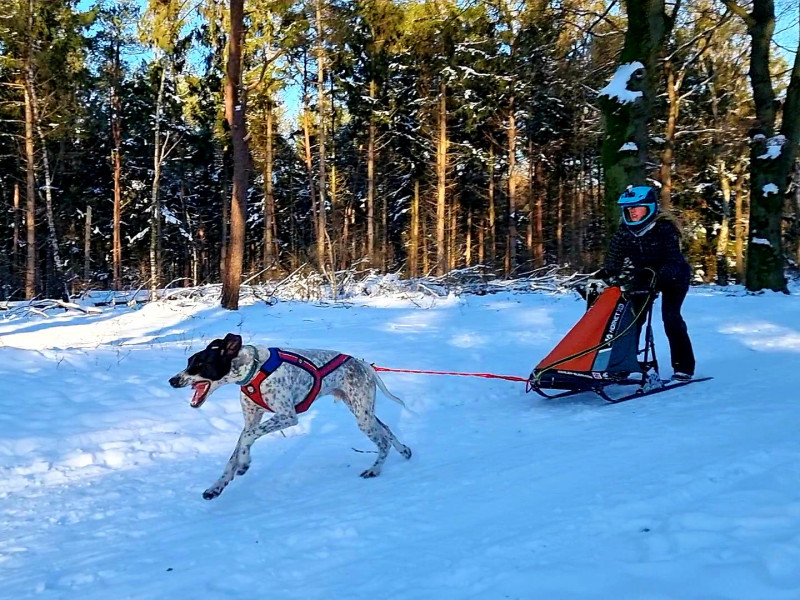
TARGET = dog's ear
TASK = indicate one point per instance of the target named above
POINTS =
(231, 345)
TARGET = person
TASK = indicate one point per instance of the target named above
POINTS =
(650, 241)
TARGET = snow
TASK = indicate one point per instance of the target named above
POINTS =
(629, 146)
(617, 88)
(691, 494)
(774, 147)
(770, 188)
(761, 241)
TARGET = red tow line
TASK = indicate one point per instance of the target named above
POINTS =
(484, 375)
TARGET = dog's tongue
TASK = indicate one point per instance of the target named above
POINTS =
(200, 390)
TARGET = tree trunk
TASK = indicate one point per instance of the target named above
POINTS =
(155, 201)
(116, 135)
(235, 114)
(441, 182)
(452, 238)
(468, 241)
(560, 218)
(482, 240)
(425, 252)
(15, 242)
(511, 229)
(797, 214)
(270, 227)
(52, 237)
(371, 180)
(492, 211)
(582, 212)
(385, 250)
(531, 202)
(321, 225)
(626, 119)
(668, 154)
(193, 273)
(87, 246)
(538, 246)
(723, 234)
(30, 166)
(413, 259)
(310, 164)
(739, 229)
(220, 156)
(771, 156)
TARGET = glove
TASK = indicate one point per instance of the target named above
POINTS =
(596, 286)
(639, 280)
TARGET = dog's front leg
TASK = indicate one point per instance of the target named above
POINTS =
(241, 454)
(228, 474)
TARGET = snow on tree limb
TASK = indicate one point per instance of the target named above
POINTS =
(770, 188)
(774, 147)
(617, 88)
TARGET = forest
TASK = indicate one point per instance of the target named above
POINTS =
(149, 143)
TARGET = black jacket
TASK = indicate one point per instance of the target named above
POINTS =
(658, 249)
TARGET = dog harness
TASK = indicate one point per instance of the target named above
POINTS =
(277, 357)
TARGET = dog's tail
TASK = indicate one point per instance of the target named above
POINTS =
(386, 392)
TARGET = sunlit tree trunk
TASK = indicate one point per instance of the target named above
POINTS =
(270, 227)
(155, 200)
(116, 157)
(413, 259)
(30, 165)
(492, 216)
(15, 241)
(441, 182)
(723, 234)
(371, 180)
(511, 228)
(235, 114)
(740, 219)
(321, 164)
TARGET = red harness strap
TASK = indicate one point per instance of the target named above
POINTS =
(277, 357)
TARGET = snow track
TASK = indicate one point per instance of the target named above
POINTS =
(686, 495)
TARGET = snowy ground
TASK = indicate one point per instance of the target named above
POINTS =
(691, 494)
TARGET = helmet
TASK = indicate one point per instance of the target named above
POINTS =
(640, 196)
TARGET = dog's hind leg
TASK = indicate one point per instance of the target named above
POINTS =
(375, 431)
(399, 446)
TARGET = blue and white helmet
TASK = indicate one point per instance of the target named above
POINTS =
(639, 196)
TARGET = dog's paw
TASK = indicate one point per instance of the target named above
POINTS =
(212, 492)
(406, 452)
(369, 473)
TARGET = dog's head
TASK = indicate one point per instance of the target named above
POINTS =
(209, 369)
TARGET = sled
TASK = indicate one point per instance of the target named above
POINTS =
(601, 352)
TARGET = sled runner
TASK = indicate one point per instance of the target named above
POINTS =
(602, 352)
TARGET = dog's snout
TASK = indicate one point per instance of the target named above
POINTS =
(175, 381)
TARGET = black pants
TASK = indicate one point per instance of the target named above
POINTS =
(673, 283)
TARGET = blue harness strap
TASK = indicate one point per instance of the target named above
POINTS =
(276, 358)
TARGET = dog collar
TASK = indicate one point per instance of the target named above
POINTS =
(253, 367)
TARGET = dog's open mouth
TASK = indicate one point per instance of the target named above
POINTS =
(200, 392)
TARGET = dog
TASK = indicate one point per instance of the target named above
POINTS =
(285, 382)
